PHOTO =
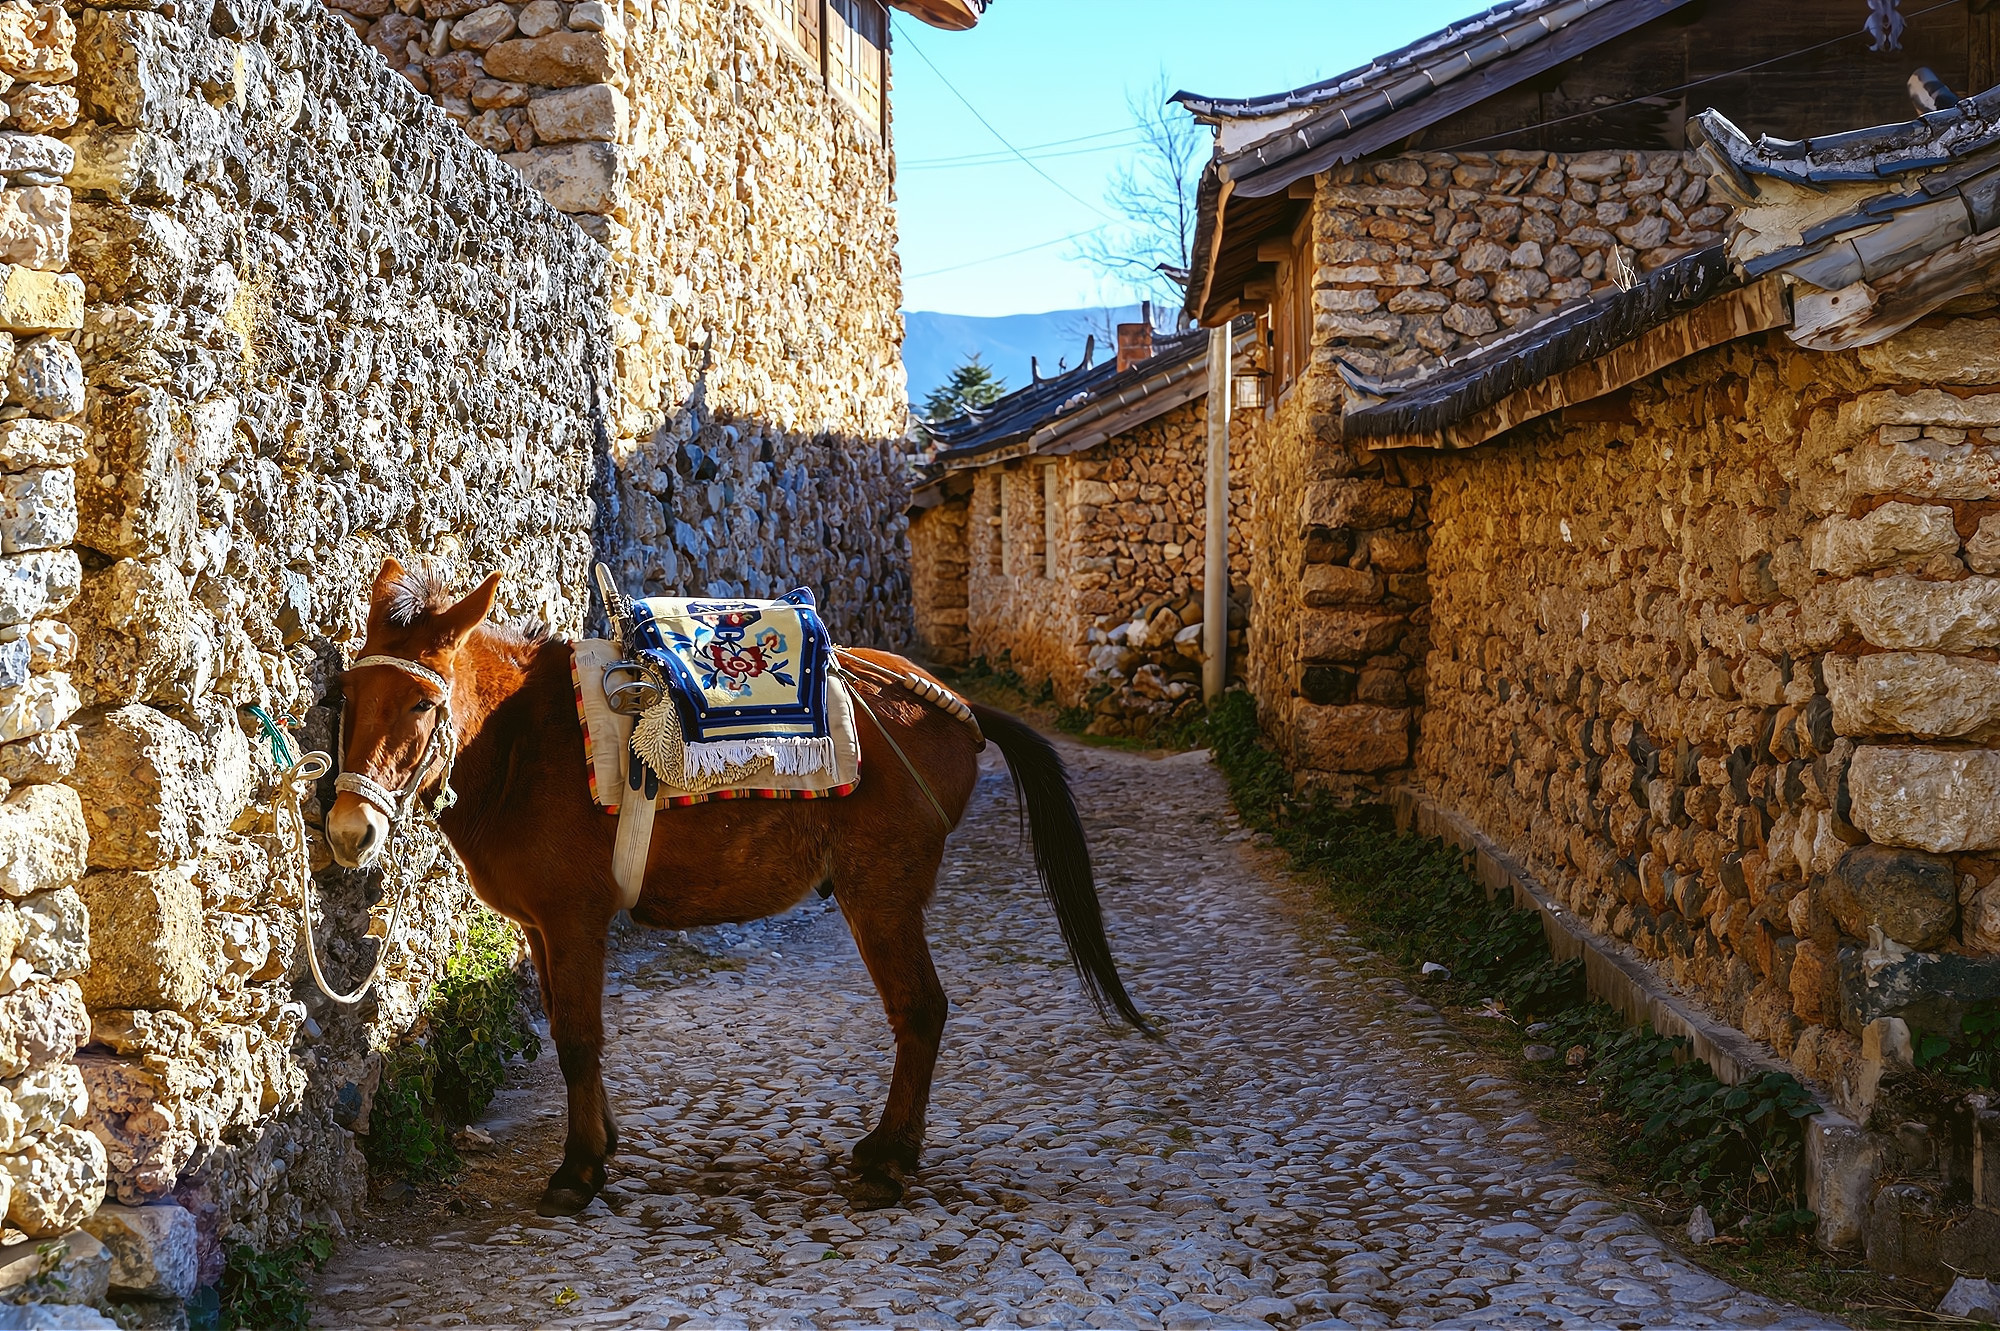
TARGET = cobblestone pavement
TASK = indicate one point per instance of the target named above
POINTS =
(1309, 1148)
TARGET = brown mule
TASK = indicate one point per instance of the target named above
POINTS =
(538, 849)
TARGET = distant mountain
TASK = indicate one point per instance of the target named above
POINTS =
(935, 344)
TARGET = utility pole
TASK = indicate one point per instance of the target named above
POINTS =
(1215, 588)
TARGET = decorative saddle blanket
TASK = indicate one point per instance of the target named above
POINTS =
(608, 746)
(748, 685)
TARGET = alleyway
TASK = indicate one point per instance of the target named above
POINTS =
(1305, 1150)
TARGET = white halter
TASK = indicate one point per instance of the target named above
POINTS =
(297, 780)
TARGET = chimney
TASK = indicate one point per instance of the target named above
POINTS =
(1135, 341)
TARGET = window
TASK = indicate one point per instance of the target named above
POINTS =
(797, 19)
(1292, 307)
(848, 40)
(857, 43)
(996, 520)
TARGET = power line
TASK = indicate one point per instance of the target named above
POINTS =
(1032, 148)
(904, 28)
(1001, 159)
(1025, 249)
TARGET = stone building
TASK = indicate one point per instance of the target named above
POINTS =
(1061, 531)
(271, 312)
(1669, 452)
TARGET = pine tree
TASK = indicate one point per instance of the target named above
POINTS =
(972, 384)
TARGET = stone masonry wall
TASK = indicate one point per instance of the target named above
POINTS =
(1415, 258)
(938, 582)
(322, 326)
(1725, 678)
(759, 413)
(52, 1170)
(757, 406)
(1418, 256)
(1117, 627)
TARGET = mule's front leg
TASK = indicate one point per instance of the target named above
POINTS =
(576, 984)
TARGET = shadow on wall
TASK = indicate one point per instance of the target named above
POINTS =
(736, 506)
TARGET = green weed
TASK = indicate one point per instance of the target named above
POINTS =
(264, 1291)
(475, 1021)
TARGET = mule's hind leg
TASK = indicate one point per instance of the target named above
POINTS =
(575, 969)
(890, 933)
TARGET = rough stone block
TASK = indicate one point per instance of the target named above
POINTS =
(1336, 584)
(46, 378)
(31, 443)
(37, 584)
(43, 840)
(1924, 694)
(32, 301)
(36, 1102)
(36, 707)
(58, 1181)
(40, 107)
(1911, 896)
(1928, 799)
(1356, 503)
(1891, 534)
(1842, 1162)
(37, 509)
(1348, 635)
(1357, 738)
(39, 1024)
(34, 225)
(1931, 468)
(144, 637)
(154, 1249)
(68, 1275)
(137, 494)
(55, 933)
(1907, 613)
(21, 153)
(558, 60)
(574, 177)
(148, 948)
(36, 43)
(483, 27)
(1956, 351)
(596, 112)
(147, 794)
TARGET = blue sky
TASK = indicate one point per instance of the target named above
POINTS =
(1051, 72)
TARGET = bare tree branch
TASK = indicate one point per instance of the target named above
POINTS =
(1154, 190)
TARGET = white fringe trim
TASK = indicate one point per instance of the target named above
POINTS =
(789, 757)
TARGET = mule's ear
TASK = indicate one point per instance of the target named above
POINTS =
(385, 583)
(458, 623)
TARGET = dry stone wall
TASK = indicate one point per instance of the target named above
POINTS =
(1724, 678)
(1113, 624)
(1415, 258)
(319, 325)
(1422, 255)
(939, 593)
(759, 415)
(53, 1172)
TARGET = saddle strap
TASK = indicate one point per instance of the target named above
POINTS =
(635, 832)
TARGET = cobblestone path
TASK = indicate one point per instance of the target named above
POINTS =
(1310, 1148)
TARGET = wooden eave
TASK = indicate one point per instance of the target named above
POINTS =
(951, 15)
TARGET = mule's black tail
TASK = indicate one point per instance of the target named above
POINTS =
(1062, 859)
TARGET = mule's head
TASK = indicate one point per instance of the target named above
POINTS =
(391, 712)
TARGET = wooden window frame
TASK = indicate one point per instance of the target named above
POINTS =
(813, 28)
(1052, 515)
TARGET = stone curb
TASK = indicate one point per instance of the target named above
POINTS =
(1842, 1159)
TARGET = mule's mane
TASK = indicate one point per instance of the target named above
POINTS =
(421, 593)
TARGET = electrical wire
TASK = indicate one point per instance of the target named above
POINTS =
(904, 29)
(1031, 148)
(1001, 159)
(1025, 249)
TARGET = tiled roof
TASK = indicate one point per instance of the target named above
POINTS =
(1017, 416)
(1393, 96)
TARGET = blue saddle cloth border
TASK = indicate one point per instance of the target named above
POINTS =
(701, 723)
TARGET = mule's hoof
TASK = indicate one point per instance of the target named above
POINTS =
(876, 1191)
(560, 1199)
